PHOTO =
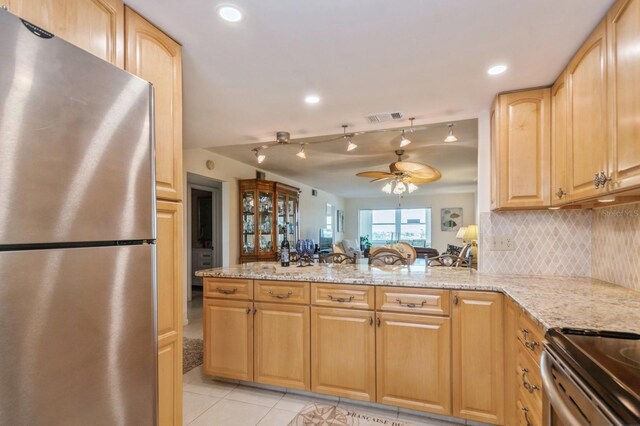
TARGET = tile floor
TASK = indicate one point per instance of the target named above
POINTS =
(209, 402)
(193, 330)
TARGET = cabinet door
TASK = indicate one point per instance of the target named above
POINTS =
(478, 356)
(413, 360)
(523, 149)
(343, 353)
(282, 339)
(587, 137)
(559, 163)
(228, 330)
(155, 57)
(169, 248)
(624, 91)
(494, 154)
(510, 354)
(96, 26)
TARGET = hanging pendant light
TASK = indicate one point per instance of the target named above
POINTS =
(450, 137)
(259, 157)
(350, 145)
(301, 153)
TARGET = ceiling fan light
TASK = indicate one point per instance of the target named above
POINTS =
(412, 187)
(260, 157)
(301, 153)
(350, 145)
(400, 188)
(387, 188)
(451, 137)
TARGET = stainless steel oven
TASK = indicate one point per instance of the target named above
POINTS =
(591, 378)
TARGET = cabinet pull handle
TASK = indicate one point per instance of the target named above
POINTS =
(528, 386)
(455, 299)
(596, 180)
(560, 193)
(378, 322)
(280, 296)
(525, 410)
(411, 305)
(254, 311)
(529, 344)
(248, 311)
(604, 179)
(224, 291)
(370, 320)
(341, 299)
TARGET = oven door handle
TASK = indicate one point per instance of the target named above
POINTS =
(553, 394)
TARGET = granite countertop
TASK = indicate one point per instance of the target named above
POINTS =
(551, 301)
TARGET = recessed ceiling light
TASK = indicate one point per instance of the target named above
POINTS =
(312, 99)
(497, 69)
(230, 14)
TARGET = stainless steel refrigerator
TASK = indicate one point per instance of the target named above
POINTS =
(77, 236)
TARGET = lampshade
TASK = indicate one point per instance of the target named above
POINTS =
(461, 232)
(471, 233)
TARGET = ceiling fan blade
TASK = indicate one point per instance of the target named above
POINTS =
(375, 175)
(381, 179)
(407, 166)
(418, 180)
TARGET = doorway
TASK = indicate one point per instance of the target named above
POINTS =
(204, 241)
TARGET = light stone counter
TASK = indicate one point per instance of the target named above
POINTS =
(549, 300)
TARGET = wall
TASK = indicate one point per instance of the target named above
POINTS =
(228, 171)
(439, 239)
(616, 241)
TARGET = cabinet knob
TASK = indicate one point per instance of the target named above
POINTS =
(378, 322)
(596, 180)
(560, 193)
(370, 320)
(455, 299)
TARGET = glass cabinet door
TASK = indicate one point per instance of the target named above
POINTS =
(265, 234)
(282, 220)
(248, 222)
(292, 216)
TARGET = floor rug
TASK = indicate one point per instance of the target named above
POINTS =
(330, 415)
(192, 354)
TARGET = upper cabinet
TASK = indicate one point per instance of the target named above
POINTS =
(96, 26)
(155, 57)
(559, 162)
(623, 35)
(587, 120)
(520, 150)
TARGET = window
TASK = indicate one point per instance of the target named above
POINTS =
(392, 225)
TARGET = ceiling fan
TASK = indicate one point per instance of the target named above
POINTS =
(407, 173)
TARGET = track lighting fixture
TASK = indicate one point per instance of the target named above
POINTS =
(301, 153)
(260, 157)
(350, 145)
(404, 141)
(450, 137)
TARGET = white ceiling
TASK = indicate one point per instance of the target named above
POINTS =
(426, 58)
(330, 167)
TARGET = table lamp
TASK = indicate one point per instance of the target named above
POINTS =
(461, 232)
(471, 235)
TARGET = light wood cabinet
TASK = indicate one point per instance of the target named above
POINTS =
(510, 362)
(169, 279)
(343, 353)
(521, 150)
(155, 57)
(559, 163)
(478, 356)
(228, 343)
(587, 147)
(282, 345)
(96, 26)
(413, 362)
(623, 35)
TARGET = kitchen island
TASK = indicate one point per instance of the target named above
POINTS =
(449, 341)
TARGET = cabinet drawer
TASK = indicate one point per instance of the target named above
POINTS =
(531, 336)
(228, 288)
(282, 292)
(413, 300)
(529, 380)
(342, 295)
(528, 416)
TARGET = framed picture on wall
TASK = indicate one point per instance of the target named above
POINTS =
(450, 219)
(340, 220)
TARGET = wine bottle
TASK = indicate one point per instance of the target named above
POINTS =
(284, 252)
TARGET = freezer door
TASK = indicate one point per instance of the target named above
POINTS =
(76, 145)
(78, 336)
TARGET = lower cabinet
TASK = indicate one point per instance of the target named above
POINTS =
(478, 356)
(281, 345)
(343, 353)
(414, 362)
(228, 343)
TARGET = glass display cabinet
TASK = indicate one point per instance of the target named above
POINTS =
(268, 214)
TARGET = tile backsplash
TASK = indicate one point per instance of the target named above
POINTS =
(547, 242)
(616, 245)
